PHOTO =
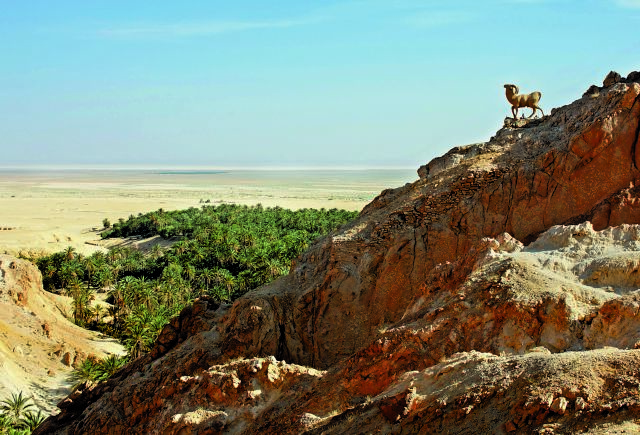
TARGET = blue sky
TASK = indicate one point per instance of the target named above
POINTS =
(290, 83)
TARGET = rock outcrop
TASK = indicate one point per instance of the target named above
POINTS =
(498, 293)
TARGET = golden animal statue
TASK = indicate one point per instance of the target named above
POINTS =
(524, 100)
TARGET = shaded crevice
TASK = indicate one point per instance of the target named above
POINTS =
(413, 262)
(314, 321)
(513, 183)
(282, 353)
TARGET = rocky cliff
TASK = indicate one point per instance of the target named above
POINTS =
(498, 293)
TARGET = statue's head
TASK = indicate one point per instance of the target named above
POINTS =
(513, 88)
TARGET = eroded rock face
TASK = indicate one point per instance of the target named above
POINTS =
(242, 390)
(506, 338)
(468, 393)
(484, 297)
(579, 164)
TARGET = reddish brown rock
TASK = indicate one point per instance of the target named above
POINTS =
(46, 329)
(559, 405)
(576, 165)
(611, 79)
(67, 359)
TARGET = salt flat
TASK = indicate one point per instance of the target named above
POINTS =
(48, 210)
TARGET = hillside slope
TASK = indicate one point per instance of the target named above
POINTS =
(428, 313)
(38, 345)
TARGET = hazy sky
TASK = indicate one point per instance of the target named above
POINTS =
(364, 83)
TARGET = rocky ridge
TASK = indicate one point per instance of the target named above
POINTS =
(496, 294)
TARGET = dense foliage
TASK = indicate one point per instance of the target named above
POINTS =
(258, 221)
(222, 251)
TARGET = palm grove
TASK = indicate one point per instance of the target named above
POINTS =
(221, 251)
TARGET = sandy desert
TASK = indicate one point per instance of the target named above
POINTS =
(48, 210)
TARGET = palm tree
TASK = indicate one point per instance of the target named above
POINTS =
(114, 255)
(116, 294)
(189, 272)
(69, 252)
(202, 234)
(90, 265)
(206, 277)
(159, 320)
(98, 311)
(159, 291)
(247, 238)
(138, 290)
(50, 272)
(140, 315)
(111, 364)
(226, 280)
(138, 339)
(16, 407)
(243, 281)
(128, 287)
(79, 309)
(104, 278)
(171, 293)
(180, 247)
(275, 268)
(227, 250)
(114, 312)
(70, 271)
(5, 424)
(86, 371)
(172, 273)
(156, 251)
(147, 295)
(82, 298)
(32, 420)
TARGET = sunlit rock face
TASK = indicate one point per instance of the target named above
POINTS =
(497, 293)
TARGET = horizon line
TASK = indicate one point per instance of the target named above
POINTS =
(114, 167)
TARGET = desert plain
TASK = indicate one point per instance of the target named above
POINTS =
(47, 210)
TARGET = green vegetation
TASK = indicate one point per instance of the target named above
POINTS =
(18, 415)
(97, 370)
(221, 251)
